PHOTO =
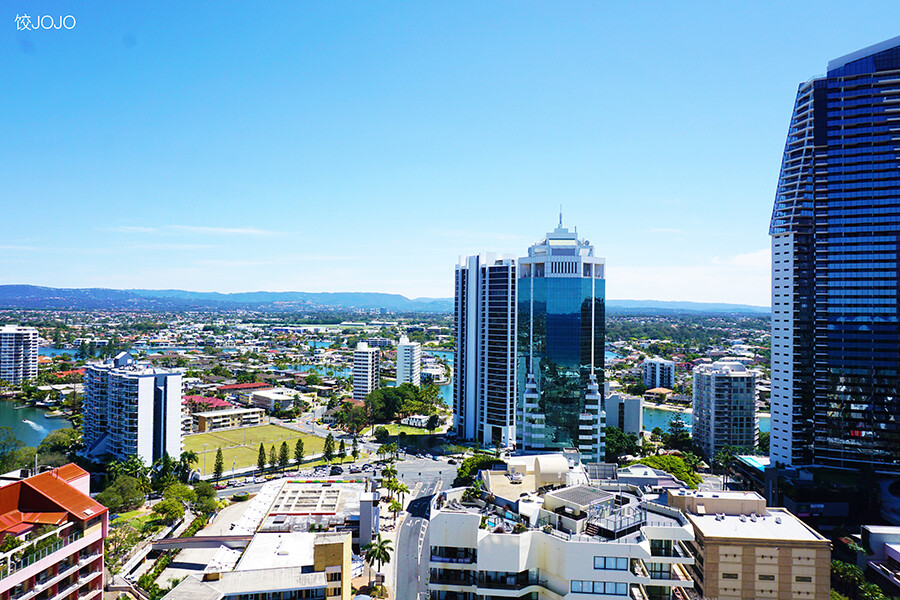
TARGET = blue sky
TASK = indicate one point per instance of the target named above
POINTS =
(353, 146)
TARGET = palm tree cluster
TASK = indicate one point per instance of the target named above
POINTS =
(394, 486)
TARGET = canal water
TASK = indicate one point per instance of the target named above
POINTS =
(655, 417)
(30, 425)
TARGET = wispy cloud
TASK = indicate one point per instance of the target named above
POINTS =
(223, 230)
(132, 229)
(755, 259)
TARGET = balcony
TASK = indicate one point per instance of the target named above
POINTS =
(447, 579)
(44, 552)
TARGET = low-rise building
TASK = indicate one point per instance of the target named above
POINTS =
(279, 565)
(601, 540)
(420, 421)
(275, 399)
(746, 551)
(59, 531)
(227, 419)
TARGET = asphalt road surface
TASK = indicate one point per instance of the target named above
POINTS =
(412, 547)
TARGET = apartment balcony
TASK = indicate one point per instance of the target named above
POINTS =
(63, 592)
(44, 552)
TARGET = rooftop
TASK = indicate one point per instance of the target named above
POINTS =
(277, 550)
(581, 495)
(202, 587)
(230, 411)
(776, 524)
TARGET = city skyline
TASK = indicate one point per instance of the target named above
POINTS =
(329, 149)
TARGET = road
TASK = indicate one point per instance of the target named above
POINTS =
(412, 548)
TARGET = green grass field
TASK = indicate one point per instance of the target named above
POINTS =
(240, 447)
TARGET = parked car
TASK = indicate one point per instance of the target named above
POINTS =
(452, 461)
(336, 470)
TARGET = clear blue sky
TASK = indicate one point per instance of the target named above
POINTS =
(351, 146)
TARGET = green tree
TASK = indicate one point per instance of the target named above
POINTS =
(354, 451)
(342, 452)
(9, 445)
(763, 444)
(378, 551)
(328, 451)
(619, 443)
(186, 463)
(434, 421)
(219, 467)
(395, 507)
(123, 494)
(180, 492)
(273, 457)
(60, 441)
(382, 434)
(169, 510)
(261, 458)
(283, 457)
(298, 451)
(678, 436)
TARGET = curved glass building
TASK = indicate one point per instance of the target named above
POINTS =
(561, 338)
(836, 269)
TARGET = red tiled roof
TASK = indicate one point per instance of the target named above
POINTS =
(211, 402)
(243, 386)
(62, 374)
(46, 498)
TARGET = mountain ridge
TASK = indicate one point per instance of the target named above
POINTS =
(41, 297)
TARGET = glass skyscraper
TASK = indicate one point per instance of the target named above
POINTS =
(561, 338)
(835, 267)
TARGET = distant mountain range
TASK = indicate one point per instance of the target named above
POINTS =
(36, 297)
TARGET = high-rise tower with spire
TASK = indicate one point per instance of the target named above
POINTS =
(561, 338)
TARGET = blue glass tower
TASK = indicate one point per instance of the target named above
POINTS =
(561, 337)
(836, 269)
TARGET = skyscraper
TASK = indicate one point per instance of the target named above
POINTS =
(409, 362)
(366, 370)
(724, 407)
(562, 327)
(484, 323)
(18, 353)
(835, 239)
(131, 409)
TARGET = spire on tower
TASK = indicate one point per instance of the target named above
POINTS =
(560, 216)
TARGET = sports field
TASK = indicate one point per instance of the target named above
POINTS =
(240, 447)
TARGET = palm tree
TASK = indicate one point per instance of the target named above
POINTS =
(401, 490)
(377, 551)
(391, 486)
(185, 465)
(389, 472)
(395, 507)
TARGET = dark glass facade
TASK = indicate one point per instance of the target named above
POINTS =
(836, 234)
(561, 336)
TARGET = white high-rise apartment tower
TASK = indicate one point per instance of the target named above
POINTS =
(131, 409)
(724, 407)
(18, 353)
(484, 322)
(409, 362)
(658, 372)
(366, 375)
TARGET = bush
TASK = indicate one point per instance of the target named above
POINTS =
(674, 465)
(382, 434)
(240, 497)
(466, 472)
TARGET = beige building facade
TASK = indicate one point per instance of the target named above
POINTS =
(744, 550)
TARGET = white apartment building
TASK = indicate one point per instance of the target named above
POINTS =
(18, 353)
(484, 324)
(274, 400)
(409, 362)
(623, 411)
(366, 374)
(131, 409)
(574, 542)
(724, 406)
(658, 373)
